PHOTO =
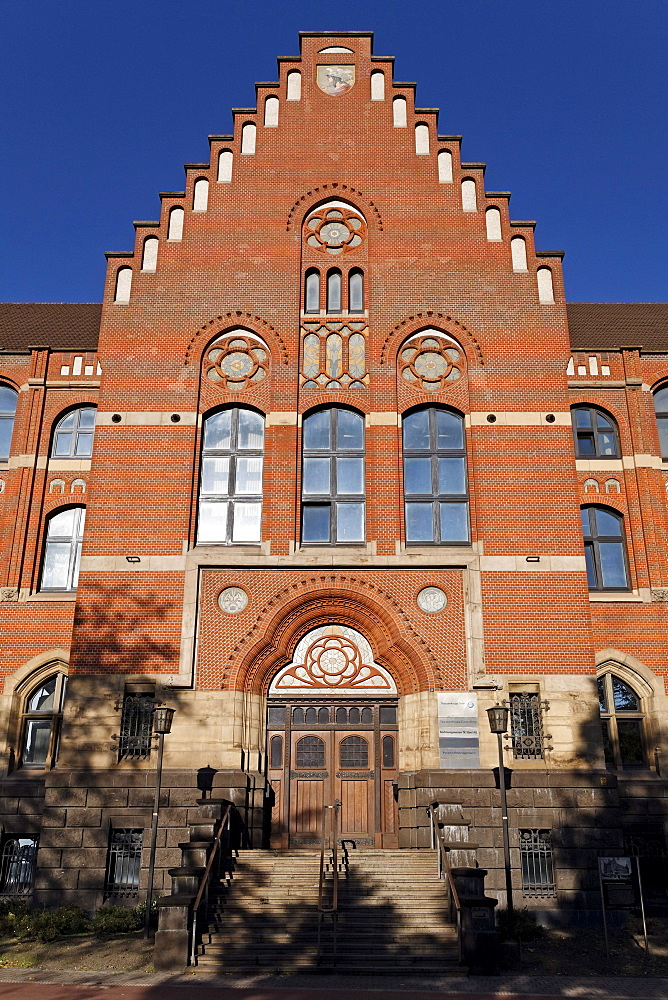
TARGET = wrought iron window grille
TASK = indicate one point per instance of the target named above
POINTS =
(527, 736)
(17, 866)
(123, 864)
(135, 740)
(536, 863)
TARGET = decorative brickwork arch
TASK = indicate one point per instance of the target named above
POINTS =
(411, 326)
(322, 600)
(217, 325)
(306, 202)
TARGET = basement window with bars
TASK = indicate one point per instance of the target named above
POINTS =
(526, 725)
(536, 863)
(123, 864)
(136, 735)
(17, 866)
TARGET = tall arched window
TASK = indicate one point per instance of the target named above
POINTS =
(595, 433)
(356, 291)
(622, 721)
(230, 495)
(333, 477)
(312, 291)
(334, 303)
(435, 481)
(605, 550)
(73, 436)
(661, 410)
(41, 719)
(62, 550)
(8, 400)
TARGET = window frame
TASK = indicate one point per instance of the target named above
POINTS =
(9, 416)
(333, 498)
(130, 862)
(231, 498)
(582, 432)
(312, 274)
(435, 498)
(610, 717)
(592, 543)
(54, 716)
(661, 417)
(75, 541)
(74, 432)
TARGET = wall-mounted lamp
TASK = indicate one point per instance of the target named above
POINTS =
(533, 559)
(132, 559)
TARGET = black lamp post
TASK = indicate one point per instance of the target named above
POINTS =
(498, 723)
(162, 725)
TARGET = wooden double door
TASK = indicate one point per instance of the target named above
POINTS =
(323, 751)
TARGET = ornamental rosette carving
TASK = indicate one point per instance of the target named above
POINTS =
(431, 362)
(334, 231)
(237, 361)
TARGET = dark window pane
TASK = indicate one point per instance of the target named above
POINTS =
(6, 431)
(660, 399)
(454, 522)
(354, 716)
(582, 418)
(316, 431)
(607, 742)
(416, 430)
(315, 523)
(36, 741)
(310, 752)
(388, 751)
(323, 716)
(354, 752)
(449, 430)
(42, 700)
(417, 476)
(350, 431)
(311, 716)
(603, 423)
(607, 523)
(342, 716)
(367, 716)
(451, 475)
(276, 715)
(584, 514)
(591, 569)
(350, 522)
(613, 570)
(626, 699)
(276, 754)
(602, 699)
(586, 446)
(419, 522)
(298, 716)
(388, 715)
(630, 742)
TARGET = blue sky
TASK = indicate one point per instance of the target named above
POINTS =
(104, 101)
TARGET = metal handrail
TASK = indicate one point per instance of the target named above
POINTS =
(329, 840)
(438, 843)
(204, 881)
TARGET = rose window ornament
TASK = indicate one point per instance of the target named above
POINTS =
(334, 231)
(237, 362)
(430, 363)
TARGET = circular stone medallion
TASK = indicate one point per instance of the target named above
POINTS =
(232, 600)
(431, 600)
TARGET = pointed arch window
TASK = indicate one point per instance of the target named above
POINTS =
(356, 291)
(333, 490)
(62, 550)
(595, 433)
(41, 721)
(73, 436)
(622, 722)
(435, 480)
(8, 400)
(661, 410)
(605, 548)
(230, 499)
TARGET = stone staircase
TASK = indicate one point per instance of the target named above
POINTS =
(392, 915)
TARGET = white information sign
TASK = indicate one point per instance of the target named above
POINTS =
(458, 733)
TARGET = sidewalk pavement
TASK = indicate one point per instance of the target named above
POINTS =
(41, 984)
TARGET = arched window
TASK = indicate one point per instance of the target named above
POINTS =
(62, 550)
(225, 161)
(422, 139)
(661, 410)
(493, 224)
(310, 752)
(605, 550)
(399, 119)
(518, 251)
(595, 433)
(333, 477)
(445, 166)
(622, 721)
(356, 291)
(435, 481)
(175, 227)
(73, 436)
(276, 752)
(41, 719)
(271, 106)
(294, 92)
(312, 291)
(545, 286)
(354, 752)
(334, 304)
(201, 195)
(230, 495)
(388, 751)
(248, 132)
(8, 400)
(123, 286)
(469, 196)
(149, 259)
(378, 85)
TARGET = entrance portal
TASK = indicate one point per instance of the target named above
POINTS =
(332, 734)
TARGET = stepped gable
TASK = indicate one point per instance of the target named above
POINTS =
(66, 326)
(610, 325)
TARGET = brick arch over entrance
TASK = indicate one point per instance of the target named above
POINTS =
(396, 645)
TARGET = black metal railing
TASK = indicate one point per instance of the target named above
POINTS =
(17, 866)
(202, 896)
(443, 852)
(328, 902)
